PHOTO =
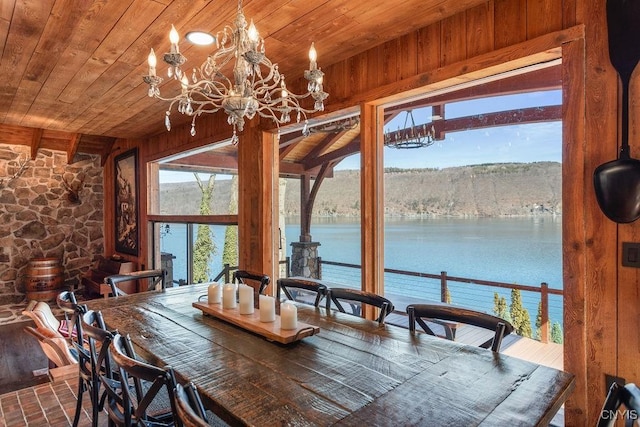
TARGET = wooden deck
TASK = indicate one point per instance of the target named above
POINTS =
(550, 354)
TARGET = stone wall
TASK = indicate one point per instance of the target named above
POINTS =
(40, 218)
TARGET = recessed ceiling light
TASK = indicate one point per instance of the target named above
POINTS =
(200, 38)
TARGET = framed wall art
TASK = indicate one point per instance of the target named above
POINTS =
(126, 202)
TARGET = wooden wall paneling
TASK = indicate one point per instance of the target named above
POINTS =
(359, 72)
(574, 233)
(372, 200)
(211, 128)
(453, 39)
(337, 80)
(408, 55)
(570, 13)
(543, 16)
(479, 29)
(145, 238)
(389, 62)
(602, 264)
(429, 48)
(628, 277)
(109, 203)
(628, 319)
(513, 12)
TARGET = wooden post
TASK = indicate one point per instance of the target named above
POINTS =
(544, 308)
(258, 186)
(305, 216)
(443, 286)
(372, 202)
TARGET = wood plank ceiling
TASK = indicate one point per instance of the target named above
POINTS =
(72, 69)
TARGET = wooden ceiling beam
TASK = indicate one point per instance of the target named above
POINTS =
(549, 78)
(335, 156)
(73, 147)
(36, 140)
(206, 161)
(486, 120)
(325, 143)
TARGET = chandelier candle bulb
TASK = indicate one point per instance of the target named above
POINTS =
(288, 316)
(229, 296)
(246, 299)
(152, 63)
(174, 38)
(252, 32)
(214, 293)
(313, 57)
(267, 306)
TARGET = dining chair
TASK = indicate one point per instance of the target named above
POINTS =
(619, 395)
(303, 287)
(73, 311)
(43, 317)
(190, 410)
(95, 364)
(53, 345)
(448, 316)
(355, 298)
(154, 278)
(243, 275)
(150, 401)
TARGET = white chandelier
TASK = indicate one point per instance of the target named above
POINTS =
(250, 92)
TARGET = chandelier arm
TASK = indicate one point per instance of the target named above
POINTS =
(243, 94)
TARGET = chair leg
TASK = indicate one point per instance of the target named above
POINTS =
(95, 403)
(76, 418)
(412, 319)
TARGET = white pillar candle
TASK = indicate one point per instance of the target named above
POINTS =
(288, 316)
(246, 299)
(214, 292)
(267, 308)
(229, 296)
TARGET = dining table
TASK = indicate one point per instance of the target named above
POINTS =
(351, 372)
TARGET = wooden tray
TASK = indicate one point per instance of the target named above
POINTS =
(251, 322)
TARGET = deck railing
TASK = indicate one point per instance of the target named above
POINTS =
(447, 282)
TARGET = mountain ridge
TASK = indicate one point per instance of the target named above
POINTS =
(486, 190)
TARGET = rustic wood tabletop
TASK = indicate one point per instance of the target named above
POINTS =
(352, 372)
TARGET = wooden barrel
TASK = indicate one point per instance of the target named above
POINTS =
(44, 279)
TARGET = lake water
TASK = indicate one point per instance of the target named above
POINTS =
(524, 251)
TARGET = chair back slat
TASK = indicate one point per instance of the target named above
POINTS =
(627, 395)
(438, 312)
(355, 298)
(305, 284)
(243, 275)
(133, 406)
(189, 406)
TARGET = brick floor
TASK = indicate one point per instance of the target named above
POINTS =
(50, 404)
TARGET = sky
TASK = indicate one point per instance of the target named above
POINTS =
(504, 144)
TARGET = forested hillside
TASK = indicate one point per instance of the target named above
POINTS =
(481, 190)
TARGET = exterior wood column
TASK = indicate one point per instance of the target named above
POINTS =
(258, 169)
(372, 200)
(305, 215)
